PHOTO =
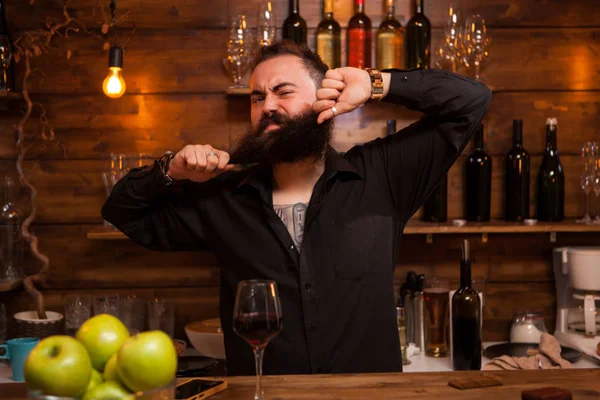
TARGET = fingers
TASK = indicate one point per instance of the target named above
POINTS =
(327, 94)
(223, 160)
(327, 113)
(334, 74)
(333, 84)
(322, 105)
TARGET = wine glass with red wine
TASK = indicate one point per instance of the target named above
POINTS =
(257, 318)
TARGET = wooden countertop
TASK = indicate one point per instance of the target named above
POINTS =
(583, 383)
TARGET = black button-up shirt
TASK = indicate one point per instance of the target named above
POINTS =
(337, 292)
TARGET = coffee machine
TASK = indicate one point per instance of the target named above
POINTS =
(577, 276)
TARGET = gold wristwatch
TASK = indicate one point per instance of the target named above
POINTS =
(376, 84)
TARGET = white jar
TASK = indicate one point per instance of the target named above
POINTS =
(527, 328)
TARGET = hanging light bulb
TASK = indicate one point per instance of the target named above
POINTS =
(114, 84)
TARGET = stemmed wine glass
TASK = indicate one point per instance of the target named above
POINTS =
(257, 318)
(476, 42)
(267, 24)
(586, 167)
(451, 49)
(239, 47)
(5, 57)
(596, 182)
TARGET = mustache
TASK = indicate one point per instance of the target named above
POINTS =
(274, 118)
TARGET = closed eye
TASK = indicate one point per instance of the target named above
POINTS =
(257, 99)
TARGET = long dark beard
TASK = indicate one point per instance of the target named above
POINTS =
(298, 139)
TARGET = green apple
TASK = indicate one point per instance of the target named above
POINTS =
(110, 370)
(95, 380)
(102, 336)
(111, 390)
(147, 361)
(58, 366)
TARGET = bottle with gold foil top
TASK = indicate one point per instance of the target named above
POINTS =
(390, 41)
(329, 46)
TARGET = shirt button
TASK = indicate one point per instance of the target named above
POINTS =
(405, 79)
(308, 286)
(292, 247)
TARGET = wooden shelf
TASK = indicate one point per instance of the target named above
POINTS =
(6, 286)
(238, 92)
(11, 96)
(427, 228)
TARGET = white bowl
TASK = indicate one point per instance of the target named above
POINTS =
(207, 337)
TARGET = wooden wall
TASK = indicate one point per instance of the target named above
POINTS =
(544, 64)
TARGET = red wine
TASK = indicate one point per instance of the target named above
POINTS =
(418, 39)
(359, 38)
(551, 179)
(257, 328)
(516, 190)
(294, 27)
(466, 320)
(479, 182)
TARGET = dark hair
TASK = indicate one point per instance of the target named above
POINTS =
(313, 63)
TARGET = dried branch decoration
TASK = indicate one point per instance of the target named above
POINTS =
(29, 44)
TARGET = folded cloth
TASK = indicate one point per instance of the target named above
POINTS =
(547, 356)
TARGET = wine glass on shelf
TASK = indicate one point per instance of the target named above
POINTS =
(451, 49)
(239, 47)
(267, 24)
(596, 181)
(586, 169)
(5, 57)
(476, 42)
(257, 318)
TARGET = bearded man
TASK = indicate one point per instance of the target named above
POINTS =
(324, 226)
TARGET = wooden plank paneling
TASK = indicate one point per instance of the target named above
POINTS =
(190, 61)
(82, 190)
(93, 126)
(189, 14)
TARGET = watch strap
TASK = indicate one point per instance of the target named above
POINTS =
(376, 84)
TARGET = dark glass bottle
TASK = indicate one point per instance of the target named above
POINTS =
(479, 182)
(359, 38)
(516, 189)
(418, 39)
(551, 179)
(329, 43)
(7, 64)
(466, 320)
(294, 27)
(390, 41)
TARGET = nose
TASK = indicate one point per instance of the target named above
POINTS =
(270, 105)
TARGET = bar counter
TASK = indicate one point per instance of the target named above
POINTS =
(583, 384)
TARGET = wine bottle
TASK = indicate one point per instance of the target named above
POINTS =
(359, 37)
(294, 26)
(329, 44)
(466, 320)
(516, 188)
(435, 208)
(551, 179)
(390, 41)
(418, 39)
(7, 75)
(479, 182)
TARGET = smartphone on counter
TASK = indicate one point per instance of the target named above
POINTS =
(198, 388)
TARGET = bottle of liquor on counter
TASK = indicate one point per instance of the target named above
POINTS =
(517, 177)
(7, 75)
(466, 320)
(329, 43)
(390, 41)
(479, 182)
(418, 39)
(359, 37)
(294, 27)
(551, 179)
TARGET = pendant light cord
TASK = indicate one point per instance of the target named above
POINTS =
(113, 7)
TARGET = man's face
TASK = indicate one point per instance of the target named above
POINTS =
(283, 86)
